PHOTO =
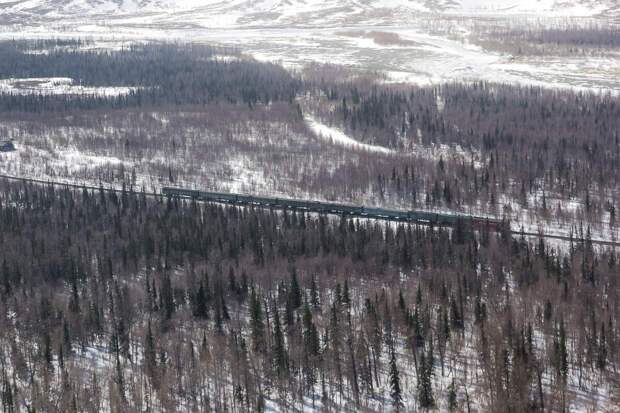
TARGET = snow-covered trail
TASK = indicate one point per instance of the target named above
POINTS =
(338, 137)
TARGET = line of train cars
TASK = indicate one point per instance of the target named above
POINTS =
(420, 217)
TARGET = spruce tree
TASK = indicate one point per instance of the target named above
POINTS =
(243, 288)
(66, 338)
(74, 302)
(257, 326)
(401, 301)
(200, 302)
(455, 314)
(8, 405)
(289, 314)
(346, 299)
(425, 389)
(335, 344)
(260, 404)
(150, 353)
(561, 353)
(47, 351)
(232, 281)
(314, 296)
(280, 358)
(601, 357)
(311, 334)
(395, 390)
(167, 297)
(452, 400)
(295, 291)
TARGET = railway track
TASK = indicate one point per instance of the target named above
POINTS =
(155, 194)
(565, 238)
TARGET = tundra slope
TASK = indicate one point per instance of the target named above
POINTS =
(243, 13)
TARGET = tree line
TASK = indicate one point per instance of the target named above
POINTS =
(162, 74)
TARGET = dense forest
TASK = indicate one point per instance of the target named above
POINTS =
(528, 139)
(573, 35)
(565, 39)
(163, 73)
(132, 303)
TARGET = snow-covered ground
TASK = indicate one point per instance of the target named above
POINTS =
(336, 136)
(427, 41)
(218, 13)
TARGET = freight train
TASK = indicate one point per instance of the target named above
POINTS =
(418, 217)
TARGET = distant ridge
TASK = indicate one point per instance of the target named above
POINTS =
(281, 13)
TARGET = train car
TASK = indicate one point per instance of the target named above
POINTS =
(451, 220)
(209, 196)
(242, 199)
(420, 217)
(403, 215)
(423, 217)
(263, 201)
(298, 204)
(351, 210)
(328, 207)
(316, 206)
(230, 198)
(491, 223)
(167, 191)
(378, 212)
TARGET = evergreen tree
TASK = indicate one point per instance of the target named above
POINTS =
(66, 337)
(395, 391)
(280, 358)
(561, 352)
(6, 278)
(335, 344)
(601, 359)
(200, 302)
(47, 351)
(243, 288)
(452, 396)
(204, 347)
(260, 404)
(295, 291)
(219, 328)
(232, 281)
(150, 353)
(119, 379)
(289, 313)
(257, 326)
(8, 406)
(425, 389)
(346, 299)
(74, 302)
(455, 314)
(311, 334)
(61, 359)
(314, 295)
(167, 297)
(401, 301)
(123, 338)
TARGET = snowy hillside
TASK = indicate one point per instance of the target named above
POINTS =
(546, 7)
(239, 13)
